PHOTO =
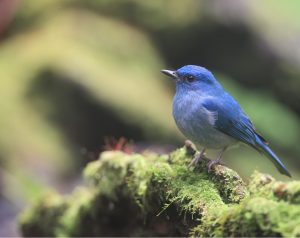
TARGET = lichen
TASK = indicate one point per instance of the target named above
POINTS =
(158, 195)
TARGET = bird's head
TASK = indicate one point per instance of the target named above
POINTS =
(193, 77)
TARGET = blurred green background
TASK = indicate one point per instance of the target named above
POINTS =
(74, 72)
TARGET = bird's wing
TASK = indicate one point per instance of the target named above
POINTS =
(231, 120)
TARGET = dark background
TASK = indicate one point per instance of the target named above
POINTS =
(74, 72)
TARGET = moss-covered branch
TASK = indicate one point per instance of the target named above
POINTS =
(153, 195)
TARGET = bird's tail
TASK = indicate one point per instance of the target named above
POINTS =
(262, 147)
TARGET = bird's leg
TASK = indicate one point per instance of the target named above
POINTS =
(197, 158)
(218, 160)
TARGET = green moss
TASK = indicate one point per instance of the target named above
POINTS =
(151, 195)
(266, 186)
(253, 217)
(231, 187)
(43, 218)
(80, 205)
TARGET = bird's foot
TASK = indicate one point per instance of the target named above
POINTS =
(217, 161)
(197, 158)
(190, 147)
(212, 163)
(195, 161)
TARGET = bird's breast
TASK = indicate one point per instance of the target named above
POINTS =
(190, 116)
(196, 122)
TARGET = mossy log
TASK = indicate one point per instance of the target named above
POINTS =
(157, 195)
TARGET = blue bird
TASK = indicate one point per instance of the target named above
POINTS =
(211, 117)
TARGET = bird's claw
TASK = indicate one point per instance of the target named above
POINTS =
(197, 159)
(213, 163)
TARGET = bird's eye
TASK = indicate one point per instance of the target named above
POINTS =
(190, 78)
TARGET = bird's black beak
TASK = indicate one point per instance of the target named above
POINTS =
(170, 73)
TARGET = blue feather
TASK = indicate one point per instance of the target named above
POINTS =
(231, 120)
(235, 123)
(264, 148)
